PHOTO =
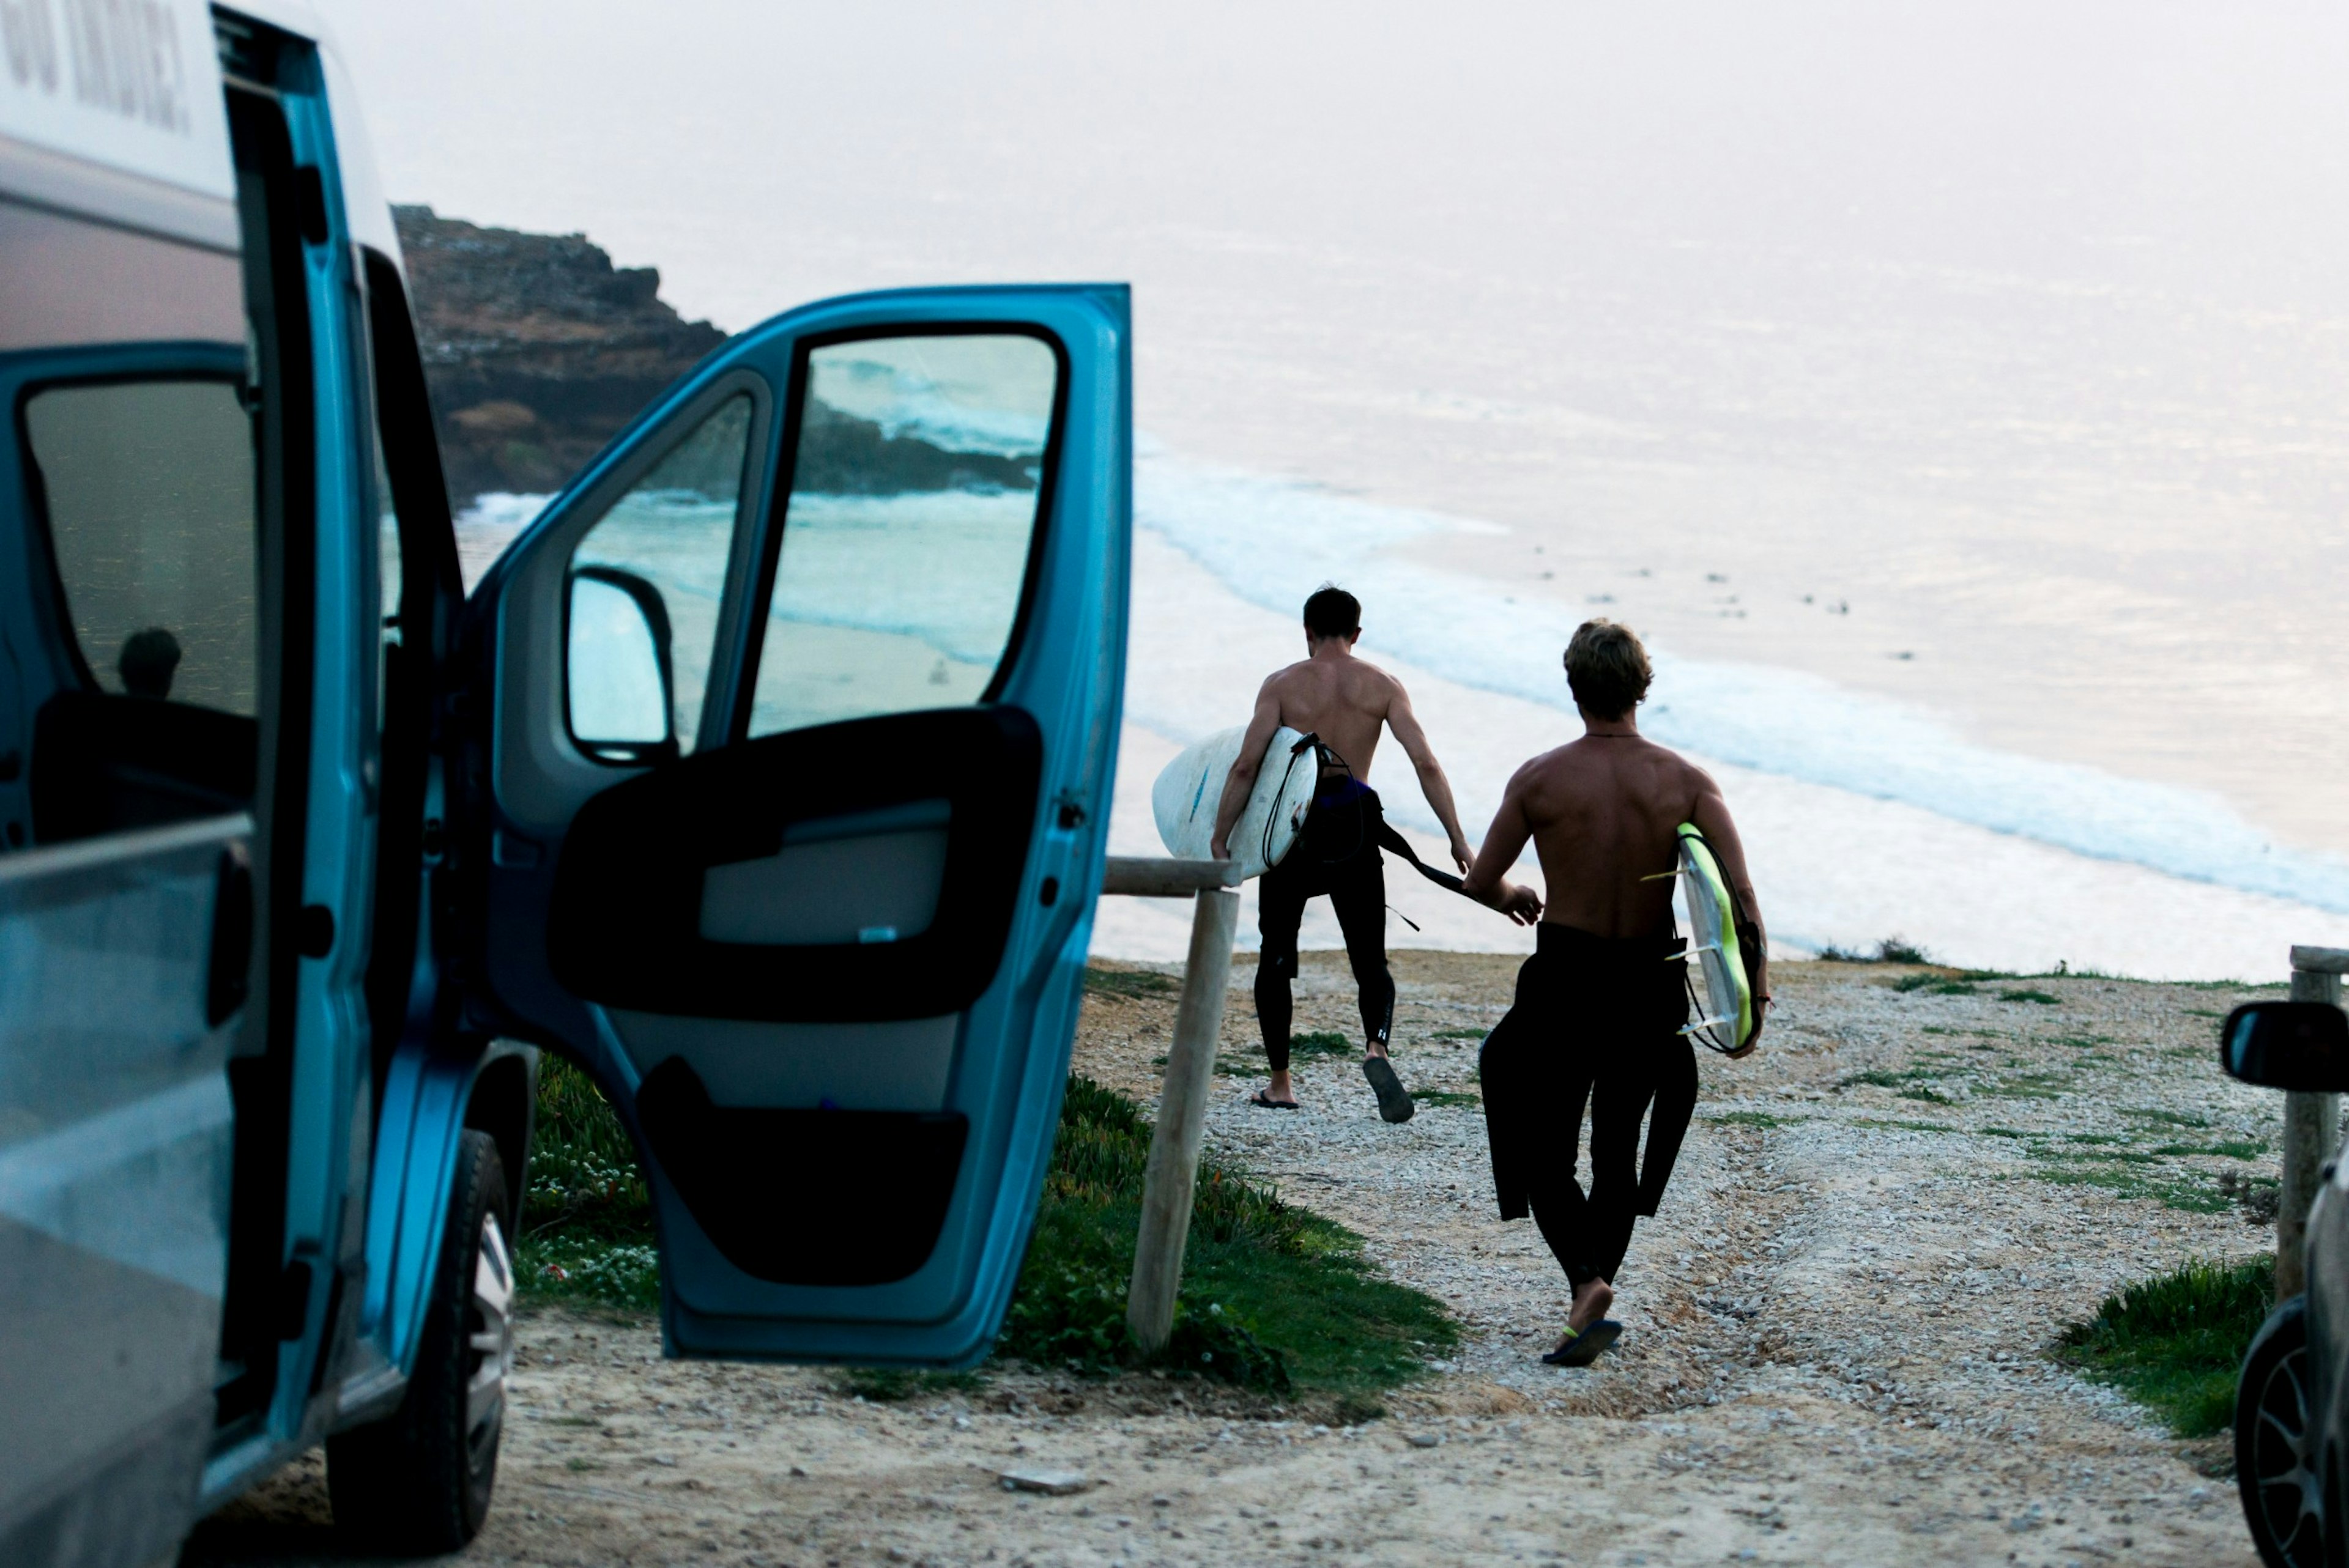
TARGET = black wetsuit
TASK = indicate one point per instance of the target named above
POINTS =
(1596, 1019)
(1337, 854)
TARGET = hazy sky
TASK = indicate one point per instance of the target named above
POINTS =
(2198, 147)
(2023, 328)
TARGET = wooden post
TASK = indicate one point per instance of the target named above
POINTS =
(1174, 1168)
(2310, 1128)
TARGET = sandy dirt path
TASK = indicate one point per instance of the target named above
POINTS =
(1834, 1353)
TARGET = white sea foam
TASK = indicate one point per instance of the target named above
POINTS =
(1271, 541)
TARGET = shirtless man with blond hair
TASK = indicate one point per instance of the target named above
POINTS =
(1600, 1004)
(1343, 701)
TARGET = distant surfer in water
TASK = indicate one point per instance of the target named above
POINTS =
(1600, 1004)
(1342, 701)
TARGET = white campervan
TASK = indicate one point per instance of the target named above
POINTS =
(766, 776)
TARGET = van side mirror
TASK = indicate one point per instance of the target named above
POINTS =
(2287, 1045)
(619, 667)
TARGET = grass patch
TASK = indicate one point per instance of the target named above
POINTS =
(2032, 994)
(2245, 1150)
(894, 1384)
(587, 1219)
(1926, 1093)
(2166, 1117)
(1904, 1125)
(1934, 984)
(1320, 1043)
(1274, 1296)
(1445, 1096)
(1891, 950)
(1135, 983)
(1459, 1034)
(2129, 1177)
(2175, 1343)
(1757, 1118)
(2030, 1086)
(1884, 1077)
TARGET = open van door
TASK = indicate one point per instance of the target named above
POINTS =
(791, 750)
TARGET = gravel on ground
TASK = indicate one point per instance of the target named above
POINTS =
(1837, 1347)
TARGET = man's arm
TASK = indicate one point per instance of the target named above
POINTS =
(1503, 842)
(1432, 781)
(1241, 782)
(1712, 818)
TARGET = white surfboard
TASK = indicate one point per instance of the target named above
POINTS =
(1190, 787)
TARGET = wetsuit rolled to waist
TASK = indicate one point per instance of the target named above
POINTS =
(1336, 856)
(1595, 1019)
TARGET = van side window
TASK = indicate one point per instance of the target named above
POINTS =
(658, 556)
(916, 488)
(146, 490)
(148, 487)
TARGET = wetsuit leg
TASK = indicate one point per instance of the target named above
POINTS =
(1667, 1122)
(1280, 909)
(1359, 899)
(1618, 1098)
(1561, 1211)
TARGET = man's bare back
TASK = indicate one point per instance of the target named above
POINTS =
(1602, 812)
(1346, 702)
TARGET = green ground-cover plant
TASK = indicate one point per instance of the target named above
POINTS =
(1459, 1034)
(2175, 1343)
(1761, 1119)
(1891, 950)
(1445, 1096)
(1274, 1295)
(2031, 994)
(586, 1223)
(1130, 982)
(889, 1385)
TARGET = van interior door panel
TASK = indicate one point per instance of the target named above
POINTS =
(801, 729)
(633, 900)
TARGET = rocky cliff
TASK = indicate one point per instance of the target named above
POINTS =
(536, 348)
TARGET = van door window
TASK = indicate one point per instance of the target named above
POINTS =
(146, 490)
(148, 487)
(915, 487)
(660, 555)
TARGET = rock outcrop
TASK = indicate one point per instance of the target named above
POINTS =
(536, 348)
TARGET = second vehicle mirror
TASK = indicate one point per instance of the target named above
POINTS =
(2287, 1045)
(620, 668)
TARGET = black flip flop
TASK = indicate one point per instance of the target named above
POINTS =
(1581, 1349)
(1269, 1103)
(1395, 1100)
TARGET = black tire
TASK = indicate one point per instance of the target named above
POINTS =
(2273, 1471)
(420, 1479)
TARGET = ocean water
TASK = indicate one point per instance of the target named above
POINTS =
(1956, 395)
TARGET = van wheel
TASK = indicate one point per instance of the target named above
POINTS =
(420, 1479)
(2272, 1468)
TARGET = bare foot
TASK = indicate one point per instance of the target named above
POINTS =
(1591, 1300)
(1281, 1088)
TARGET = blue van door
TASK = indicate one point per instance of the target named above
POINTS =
(793, 755)
(131, 687)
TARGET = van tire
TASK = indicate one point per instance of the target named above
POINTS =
(420, 1479)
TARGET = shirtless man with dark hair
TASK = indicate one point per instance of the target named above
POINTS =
(1600, 1004)
(1343, 701)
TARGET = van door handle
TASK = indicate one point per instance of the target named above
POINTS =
(229, 980)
